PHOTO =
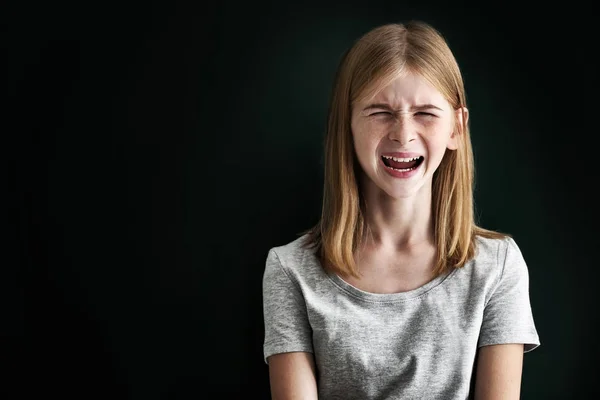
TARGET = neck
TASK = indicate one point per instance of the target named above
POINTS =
(398, 224)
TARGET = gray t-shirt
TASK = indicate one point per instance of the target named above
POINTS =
(419, 344)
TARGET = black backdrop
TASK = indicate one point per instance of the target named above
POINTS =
(158, 150)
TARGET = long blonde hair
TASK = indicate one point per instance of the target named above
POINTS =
(376, 59)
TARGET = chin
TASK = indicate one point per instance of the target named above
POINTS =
(402, 194)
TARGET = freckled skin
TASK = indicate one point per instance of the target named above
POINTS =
(399, 126)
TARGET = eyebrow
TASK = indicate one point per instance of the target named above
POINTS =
(388, 107)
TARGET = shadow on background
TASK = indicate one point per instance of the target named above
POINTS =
(160, 150)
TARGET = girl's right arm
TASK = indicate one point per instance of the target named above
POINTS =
(292, 376)
(288, 347)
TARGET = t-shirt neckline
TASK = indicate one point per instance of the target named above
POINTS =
(352, 290)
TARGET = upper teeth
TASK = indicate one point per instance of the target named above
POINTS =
(401, 159)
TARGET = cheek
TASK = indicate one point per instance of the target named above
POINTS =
(438, 133)
(366, 135)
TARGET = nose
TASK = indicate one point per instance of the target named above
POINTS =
(402, 130)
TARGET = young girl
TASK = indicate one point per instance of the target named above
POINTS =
(396, 293)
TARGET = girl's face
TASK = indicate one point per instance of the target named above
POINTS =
(409, 117)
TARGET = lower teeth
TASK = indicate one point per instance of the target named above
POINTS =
(403, 170)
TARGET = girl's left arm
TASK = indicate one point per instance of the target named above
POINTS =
(499, 370)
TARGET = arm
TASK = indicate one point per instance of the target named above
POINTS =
(288, 348)
(507, 330)
(292, 376)
(499, 369)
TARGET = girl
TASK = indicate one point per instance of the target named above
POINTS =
(396, 293)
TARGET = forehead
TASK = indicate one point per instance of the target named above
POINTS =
(409, 88)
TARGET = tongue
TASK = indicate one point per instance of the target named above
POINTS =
(401, 165)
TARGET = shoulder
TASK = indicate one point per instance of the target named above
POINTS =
(492, 250)
(292, 252)
(298, 261)
(494, 260)
(487, 264)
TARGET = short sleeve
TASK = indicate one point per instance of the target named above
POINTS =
(287, 328)
(507, 316)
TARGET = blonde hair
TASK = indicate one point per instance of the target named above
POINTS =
(376, 59)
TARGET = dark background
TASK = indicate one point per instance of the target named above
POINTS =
(158, 150)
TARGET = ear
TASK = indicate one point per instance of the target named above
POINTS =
(460, 114)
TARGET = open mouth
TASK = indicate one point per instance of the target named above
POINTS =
(402, 164)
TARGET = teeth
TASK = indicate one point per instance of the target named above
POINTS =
(401, 159)
(402, 169)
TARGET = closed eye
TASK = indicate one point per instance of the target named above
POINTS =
(420, 113)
